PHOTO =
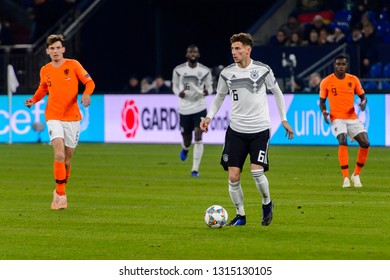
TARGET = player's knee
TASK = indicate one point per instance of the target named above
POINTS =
(59, 157)
(365, 144)
(342, 138)
(234, 178)
(198, 135)
(363, 141)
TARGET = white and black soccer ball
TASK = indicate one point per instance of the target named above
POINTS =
(216, 216)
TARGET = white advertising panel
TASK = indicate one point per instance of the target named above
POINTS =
(153, 118)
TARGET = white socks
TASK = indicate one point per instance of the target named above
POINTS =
(197, 155)
(262, 185)
(237, 197)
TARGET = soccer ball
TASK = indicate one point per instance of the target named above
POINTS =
(216, 216)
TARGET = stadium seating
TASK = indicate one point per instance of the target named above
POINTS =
(383, 16)
(371, 16)
(386, 74)
(342, 19)
(370, 85)
(385, 85)
(376, 70)
(343, 15)
(386, 38)
(386, 70)
(382, 28)
(344, 26)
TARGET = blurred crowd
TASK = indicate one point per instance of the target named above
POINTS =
(365, 23)
(41, 14)
(158, 84)
(318, 23)
(147, 85)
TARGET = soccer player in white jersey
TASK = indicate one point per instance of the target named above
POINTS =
(191, 82)
(247, 81)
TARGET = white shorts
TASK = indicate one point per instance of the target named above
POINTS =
(349, 127)
(69, 131)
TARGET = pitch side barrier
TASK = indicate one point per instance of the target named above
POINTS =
(153, 118)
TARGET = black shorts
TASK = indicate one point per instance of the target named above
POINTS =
(189, 122)
(238, 145)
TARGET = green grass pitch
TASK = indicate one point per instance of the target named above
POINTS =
(139, 202)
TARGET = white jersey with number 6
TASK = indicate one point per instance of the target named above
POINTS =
(248, 93)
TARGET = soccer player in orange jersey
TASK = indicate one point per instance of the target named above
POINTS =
(340, 88)
(60, 78)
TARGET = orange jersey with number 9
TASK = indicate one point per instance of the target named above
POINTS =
(341, 95)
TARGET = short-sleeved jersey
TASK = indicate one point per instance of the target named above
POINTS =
(193, 81)
(62, 85)
(248, 93)
(341, 95)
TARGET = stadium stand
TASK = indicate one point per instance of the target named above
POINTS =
(335, 14)
(345, 16)
(376, 70)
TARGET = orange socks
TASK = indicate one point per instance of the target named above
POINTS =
(361, 160)
(60, 177)
(343, 159)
